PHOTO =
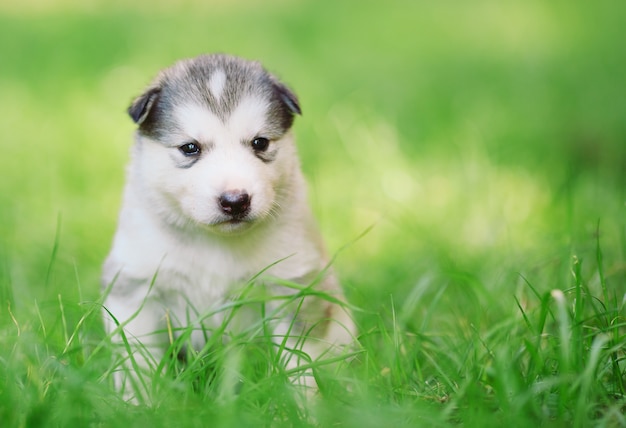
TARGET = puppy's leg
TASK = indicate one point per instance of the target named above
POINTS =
(322, 330)
(133, 320)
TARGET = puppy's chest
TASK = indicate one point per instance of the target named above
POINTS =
(203, 277)
(209, 275)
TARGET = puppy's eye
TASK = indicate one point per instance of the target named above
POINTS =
(190, 149)
(260, 144)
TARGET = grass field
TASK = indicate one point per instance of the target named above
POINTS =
(467, 164)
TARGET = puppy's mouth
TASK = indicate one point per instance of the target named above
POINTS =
(236, 220)
(233, 224)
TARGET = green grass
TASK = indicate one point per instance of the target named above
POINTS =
(482, 146)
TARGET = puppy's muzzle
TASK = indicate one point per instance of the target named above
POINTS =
(235, 203)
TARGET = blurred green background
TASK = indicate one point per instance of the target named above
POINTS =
(477, 137)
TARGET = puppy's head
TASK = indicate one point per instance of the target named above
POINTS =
(213, 143)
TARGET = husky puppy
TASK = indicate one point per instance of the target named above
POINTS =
(215, 196)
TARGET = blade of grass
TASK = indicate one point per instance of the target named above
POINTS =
(55, 250)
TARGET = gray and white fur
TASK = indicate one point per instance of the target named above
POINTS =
(214, 196)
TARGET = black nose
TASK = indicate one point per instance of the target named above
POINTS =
(235, 203)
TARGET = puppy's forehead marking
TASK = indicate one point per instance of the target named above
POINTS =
(216, 83)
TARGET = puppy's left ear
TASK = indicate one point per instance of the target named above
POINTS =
(287, 97)
(140, 108)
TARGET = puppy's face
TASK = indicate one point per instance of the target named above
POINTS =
(213, 145)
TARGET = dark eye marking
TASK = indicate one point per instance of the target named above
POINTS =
(260, 144)
(190, 149)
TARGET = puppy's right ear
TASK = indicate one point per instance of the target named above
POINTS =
(140, 108)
